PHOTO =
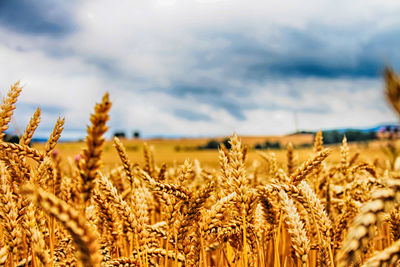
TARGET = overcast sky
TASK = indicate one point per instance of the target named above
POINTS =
(200, 68)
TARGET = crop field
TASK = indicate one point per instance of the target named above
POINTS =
(175, 151)
(165, 203)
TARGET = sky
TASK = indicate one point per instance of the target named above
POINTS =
(200, 68)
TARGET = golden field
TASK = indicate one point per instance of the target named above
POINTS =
(166, 150)
(135, 203)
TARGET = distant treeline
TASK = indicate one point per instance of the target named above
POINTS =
(330, 137)
(268, 145)
(214, 144)
(334, 137)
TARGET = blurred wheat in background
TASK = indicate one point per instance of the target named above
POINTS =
(338, 207)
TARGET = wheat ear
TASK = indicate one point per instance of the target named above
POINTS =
(175, 190)
(30, 128)
(7, 108)
(148, 158)
(392, 82)
(386, 257)
(9, 217)
(21, 151)
(290, 159)
(318, 142)
(3, 255)
(94, 142)
(295, 227)
(344, 159)
(125, 160)
(362, 229)
(83, 236)
(308, 167)
(54, 136)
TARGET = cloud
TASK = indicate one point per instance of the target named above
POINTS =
(305, 68)
(37, 17)
(191, 115)
(201, 67)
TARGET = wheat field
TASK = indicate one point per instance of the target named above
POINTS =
(97, 203)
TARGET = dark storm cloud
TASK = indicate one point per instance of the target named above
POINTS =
(310, 53)
(314, 68)
(299, 53)
(37, 17)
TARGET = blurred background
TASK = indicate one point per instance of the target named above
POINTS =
(202, 68)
